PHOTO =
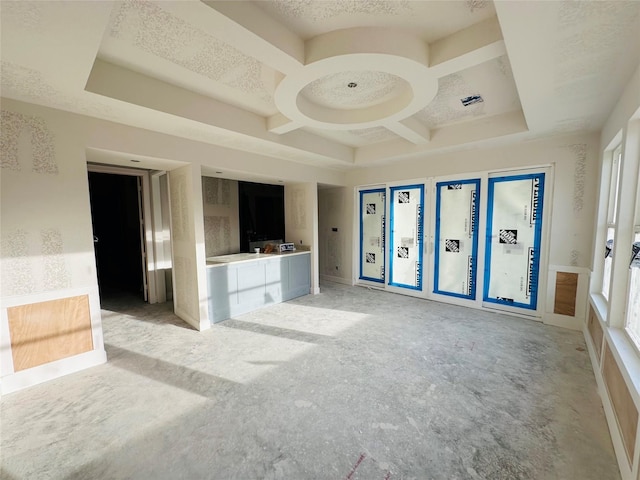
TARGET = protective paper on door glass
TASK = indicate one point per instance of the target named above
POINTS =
(372, 212)
(515, 225)
(456, 238)
(405, 255)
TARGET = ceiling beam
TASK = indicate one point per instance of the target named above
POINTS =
(280, 124)
(411, 130)
(121, 84)
(445, 137)
(472, 46)
(249, 29)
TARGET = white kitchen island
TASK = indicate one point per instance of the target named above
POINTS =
(242, 282)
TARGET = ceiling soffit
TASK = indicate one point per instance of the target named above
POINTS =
(372, 80)
(274, 77)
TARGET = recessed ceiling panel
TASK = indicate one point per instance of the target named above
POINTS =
(147, 39)
(492, 81)
(348, 90)
(431, 20)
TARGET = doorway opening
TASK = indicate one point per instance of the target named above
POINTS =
(118, 235)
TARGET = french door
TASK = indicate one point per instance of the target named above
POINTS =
(514, 240)
(402, 255)
(475, 241)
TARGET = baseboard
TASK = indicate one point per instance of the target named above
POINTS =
(330, 278)
(563, 321)
(50, 371)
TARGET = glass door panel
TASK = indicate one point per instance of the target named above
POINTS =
(406, 236)
(456, 238)
(514, 237)
(372, 224)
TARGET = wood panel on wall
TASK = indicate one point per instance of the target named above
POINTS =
(623, 407)
(595, 330)
(566, 290)
(48, 331)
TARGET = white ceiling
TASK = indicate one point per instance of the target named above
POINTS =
(271, 77)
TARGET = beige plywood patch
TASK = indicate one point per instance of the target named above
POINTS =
(595, 330)
(625, 410)
(48, 331)
(566, 289)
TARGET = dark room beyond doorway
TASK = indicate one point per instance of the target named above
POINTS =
(116, 217)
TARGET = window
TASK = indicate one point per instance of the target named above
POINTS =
(632, 325)
(612, 215)
(633, 305)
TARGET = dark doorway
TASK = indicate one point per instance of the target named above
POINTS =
(261, 213)
(115, 212)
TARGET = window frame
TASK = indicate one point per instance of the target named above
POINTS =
(634, 336)
(613, 193)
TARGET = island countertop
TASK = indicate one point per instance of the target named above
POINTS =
(243, 282)
(248, 257)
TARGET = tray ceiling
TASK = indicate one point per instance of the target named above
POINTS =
(338, 83)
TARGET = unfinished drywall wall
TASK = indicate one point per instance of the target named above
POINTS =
(301, 222)
(335, 233)
(46, 250)
(188, 246)
(221, 216)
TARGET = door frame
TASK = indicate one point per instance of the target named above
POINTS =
(360, 237)
(148, 246)
(424, 280)
(543, 266)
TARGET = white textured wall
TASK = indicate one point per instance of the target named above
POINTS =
(221, 216)
(301, 222)
(188, 246)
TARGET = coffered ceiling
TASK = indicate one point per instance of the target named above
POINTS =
(338, 83)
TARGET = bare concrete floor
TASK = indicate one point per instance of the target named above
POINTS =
(349, 384)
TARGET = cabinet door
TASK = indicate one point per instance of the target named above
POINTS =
(406, 236)
(456, 238)
(514, 237)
